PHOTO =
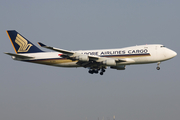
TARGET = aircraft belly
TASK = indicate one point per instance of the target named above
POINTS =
(56, 62)
(71, 64)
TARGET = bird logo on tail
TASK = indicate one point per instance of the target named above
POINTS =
(24, 46)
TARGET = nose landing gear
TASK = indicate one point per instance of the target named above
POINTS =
(158, 66)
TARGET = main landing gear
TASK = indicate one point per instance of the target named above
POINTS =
(158, 66)
(102, 71)
(96, 71)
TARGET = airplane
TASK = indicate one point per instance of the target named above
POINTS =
(95, 60)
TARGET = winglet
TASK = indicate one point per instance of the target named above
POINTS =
(41, 44)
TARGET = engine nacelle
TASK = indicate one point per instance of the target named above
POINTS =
(83, 58)
(119, 67)
(109, 62)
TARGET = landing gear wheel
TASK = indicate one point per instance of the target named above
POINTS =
(158, 68)
(90, 71)
(96, 71)
(101, 73)
(103, 70)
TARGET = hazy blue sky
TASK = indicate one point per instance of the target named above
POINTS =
(38, 92)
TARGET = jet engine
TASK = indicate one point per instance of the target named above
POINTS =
(83, 58)
(119, 67)
(109, 62)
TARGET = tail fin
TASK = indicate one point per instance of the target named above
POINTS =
(21, 44)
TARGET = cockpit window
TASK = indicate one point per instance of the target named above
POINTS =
(163, 46)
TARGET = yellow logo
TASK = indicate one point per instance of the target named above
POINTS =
(24, 46)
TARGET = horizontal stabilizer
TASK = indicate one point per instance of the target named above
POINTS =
(19, 56)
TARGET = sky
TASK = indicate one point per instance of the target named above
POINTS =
(32, 91)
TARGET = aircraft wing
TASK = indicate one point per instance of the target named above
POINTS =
(19, 56)
(56, 49)
(85, 60)
(66, 53)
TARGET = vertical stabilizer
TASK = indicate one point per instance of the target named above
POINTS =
(21, 44)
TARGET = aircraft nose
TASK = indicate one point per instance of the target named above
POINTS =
(173, 53)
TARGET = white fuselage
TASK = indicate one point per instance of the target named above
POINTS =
(141, 54)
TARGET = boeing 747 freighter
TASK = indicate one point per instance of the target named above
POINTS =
(95, 60)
